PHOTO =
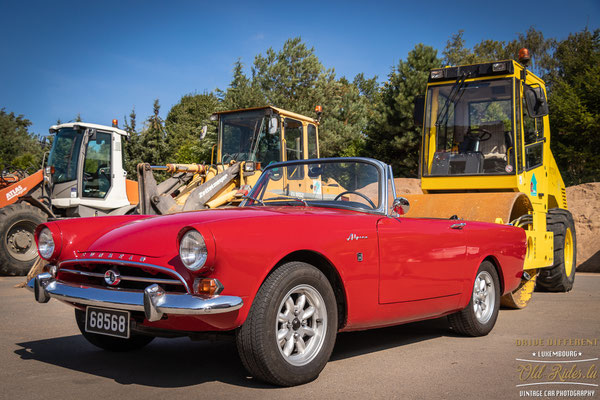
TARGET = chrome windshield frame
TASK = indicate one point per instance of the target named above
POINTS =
(384, 173)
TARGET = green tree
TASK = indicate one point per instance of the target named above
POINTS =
(574, 102)
(153, 147)
(288, 78)
(18, 147)
(294, 79)
(242, 92)
(132, 145)
(392, 136)
(185, 122)
(540, 50)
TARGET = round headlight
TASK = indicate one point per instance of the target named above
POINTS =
(45, 244)
(192, 250)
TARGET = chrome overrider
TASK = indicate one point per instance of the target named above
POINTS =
(153, 301)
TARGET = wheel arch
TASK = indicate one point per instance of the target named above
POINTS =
(492, 259)
(552, 202)
(323, 264)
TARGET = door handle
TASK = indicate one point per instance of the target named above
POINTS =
(458, 226)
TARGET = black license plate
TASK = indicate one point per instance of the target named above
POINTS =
(107, 322)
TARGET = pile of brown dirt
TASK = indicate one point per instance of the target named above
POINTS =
(408, 186)
(584, 203)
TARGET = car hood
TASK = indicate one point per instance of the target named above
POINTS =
(157, 236)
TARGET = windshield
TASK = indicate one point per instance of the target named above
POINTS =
(245, 137)
(346, 184)
(469, 129)
(64, 155)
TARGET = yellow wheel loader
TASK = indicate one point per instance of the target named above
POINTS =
(247, 140)
(486, 156)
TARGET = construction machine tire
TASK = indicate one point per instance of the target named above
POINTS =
(521, 296)
(561, 276)
(18, 251)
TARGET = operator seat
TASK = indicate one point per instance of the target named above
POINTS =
(495, 149)
(495, 146)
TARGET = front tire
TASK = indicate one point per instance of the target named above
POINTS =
(561, 276)
(111, 343)
(479, 317)
(290, 330)
(18, 251)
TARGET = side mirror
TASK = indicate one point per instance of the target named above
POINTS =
(273, 125)
(535, 99)
(92, 134)
(400, 206)
(419, 110)
(203, 132)
(314, 171)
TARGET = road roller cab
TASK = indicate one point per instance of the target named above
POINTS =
(486, 156)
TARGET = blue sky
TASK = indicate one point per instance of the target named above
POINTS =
(102, 58)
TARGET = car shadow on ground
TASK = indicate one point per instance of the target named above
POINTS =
(172, 363)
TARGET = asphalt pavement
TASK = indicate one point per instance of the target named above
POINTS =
(43, 356)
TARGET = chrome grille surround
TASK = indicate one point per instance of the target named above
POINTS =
(71, 267)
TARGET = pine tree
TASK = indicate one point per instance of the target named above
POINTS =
(242, 93)
(153, 146)
(131, 147)
(185, 122)
(574, 102)
(18, 147)
(392, 136)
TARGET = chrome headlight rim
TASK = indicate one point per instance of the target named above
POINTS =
(46, 244)
(192, 250)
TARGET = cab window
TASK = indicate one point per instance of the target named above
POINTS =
(293, 146)
(311, 134)
(533, 129)
(97, 167)
(293, 139)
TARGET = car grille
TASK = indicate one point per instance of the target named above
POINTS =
(132, 277)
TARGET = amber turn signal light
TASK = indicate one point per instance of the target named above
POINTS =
(207, 287)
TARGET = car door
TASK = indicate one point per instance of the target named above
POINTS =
(420, 258)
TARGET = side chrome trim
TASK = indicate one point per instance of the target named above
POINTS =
(153, 301)
(127, 263)
(125, 277)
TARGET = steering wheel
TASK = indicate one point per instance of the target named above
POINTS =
(478, 134)
(356, 193)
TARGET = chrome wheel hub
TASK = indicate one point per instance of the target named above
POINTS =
(301, 325)
(484, 297)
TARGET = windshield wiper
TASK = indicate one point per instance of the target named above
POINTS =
(456, 89)
(254, 199)
(288, 198)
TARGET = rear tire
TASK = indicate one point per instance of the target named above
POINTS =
(561, 276)
(479, 317)
(111, 343)
(18, 251)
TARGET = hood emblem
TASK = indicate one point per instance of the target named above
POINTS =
(112, 277)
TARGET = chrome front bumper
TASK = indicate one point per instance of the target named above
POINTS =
(153, 301)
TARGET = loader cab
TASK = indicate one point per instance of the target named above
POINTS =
(485, 126)
(85, 169)
(265, 135)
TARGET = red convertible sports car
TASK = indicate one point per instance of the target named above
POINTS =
(316, 248)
